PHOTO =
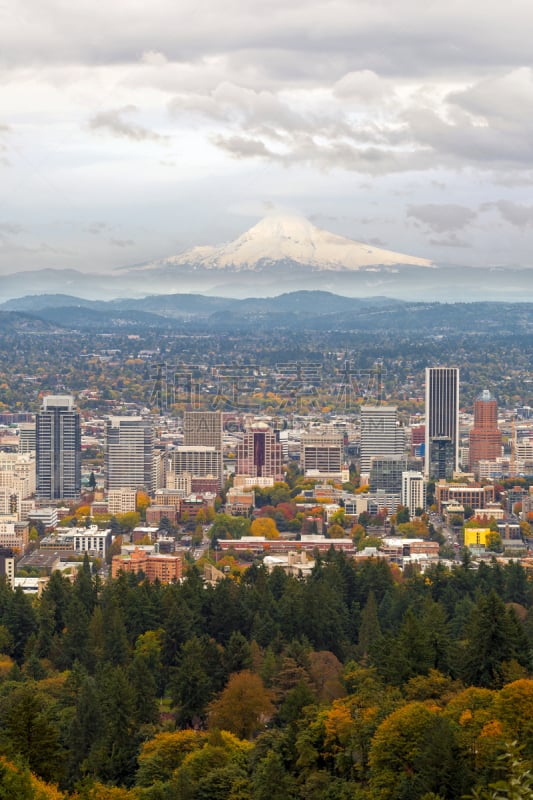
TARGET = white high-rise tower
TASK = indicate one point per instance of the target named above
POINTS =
(381, 434)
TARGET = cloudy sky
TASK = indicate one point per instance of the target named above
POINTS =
(131, 130)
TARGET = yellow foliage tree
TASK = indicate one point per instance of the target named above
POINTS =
(17, 782)
(474, 712)
(160, 756)
(100, 792)
(243, 707)
(83, 511)
(264, 526)
(336, 532)
(339, 726)
(142, 502)
(129, 520)
(514, 707)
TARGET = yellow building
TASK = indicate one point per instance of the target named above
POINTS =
(476, 537)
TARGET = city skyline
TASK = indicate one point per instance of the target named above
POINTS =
(129, 134)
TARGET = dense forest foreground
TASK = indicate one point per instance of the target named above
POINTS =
(359, 682)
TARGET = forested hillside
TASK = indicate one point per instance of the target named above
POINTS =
(359, 682)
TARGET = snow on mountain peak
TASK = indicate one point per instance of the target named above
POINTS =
(291, 238)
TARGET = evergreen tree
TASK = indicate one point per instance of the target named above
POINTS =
(84, 728)
(191, 683)
(21, 623)
(85, 586)
(28, 731)
(492, 641)
(113, 755)
(369, 630)
(76, 635)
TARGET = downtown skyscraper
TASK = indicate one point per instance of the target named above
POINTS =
(58, 449)
(381, 435)
(205, 429)
(485, 438)
(129, 456)
(442, 422)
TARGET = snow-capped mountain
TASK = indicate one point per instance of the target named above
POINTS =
(294, 239)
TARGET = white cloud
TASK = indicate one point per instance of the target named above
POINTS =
(364, 86)
(154, 59)
(269, 101)
(113, 122)
(517, 214)
(122, 242)
(10, 228)
(444, 217)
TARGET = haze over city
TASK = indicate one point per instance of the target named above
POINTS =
(129, 134)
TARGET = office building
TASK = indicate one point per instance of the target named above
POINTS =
(204, 429)
(322, 453)
(193, 461)
(413, 491)
(121, 501)
(58, 449)
(259, 455)
(7, 566)
(155, 566)
(442, 458)
(129, 457)
(471, 494)
(386, 473)
(485, 438)
(15, 536)
(27, 437)
(381, 435)
(442, 422)
(17, 472)
(182, 484)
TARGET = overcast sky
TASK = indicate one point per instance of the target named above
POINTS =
(132, 130)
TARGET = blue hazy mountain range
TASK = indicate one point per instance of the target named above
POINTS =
(282, 255)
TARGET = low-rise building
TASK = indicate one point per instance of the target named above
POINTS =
(476, 538)
(466, 494)
(308, 543)
(80, 540)
(155, 513)
(15, 536)
(194, 503)
(239, 503)
(47, 515)
(294, 563)
(403, 551)
(156, 566)
(7, 566)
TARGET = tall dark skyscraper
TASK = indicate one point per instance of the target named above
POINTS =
(442, 422)
(58, 446)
